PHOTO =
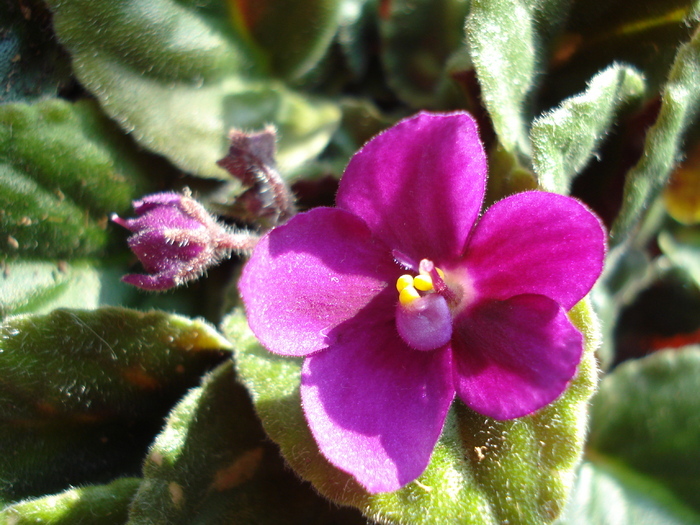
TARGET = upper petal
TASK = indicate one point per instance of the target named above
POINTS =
(309, 275)
(539, 243)
(375, 406)
(514, 357)
(419, 185)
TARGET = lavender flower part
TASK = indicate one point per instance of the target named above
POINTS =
(401, 298)
(176, 240)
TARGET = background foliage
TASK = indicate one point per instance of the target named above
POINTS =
(123, 407)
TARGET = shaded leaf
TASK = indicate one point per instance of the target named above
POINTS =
(647, 416)
(213, 464)
(607, 494)
(683, 249)
(77, 385)
(417, 40)
(98, 505)
(32, 65)
(63, 168)
(679, 106)
(293, 35)
(564, 139)
(179, 95)
(481, 471)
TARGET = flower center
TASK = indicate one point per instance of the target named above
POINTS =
(423, 314)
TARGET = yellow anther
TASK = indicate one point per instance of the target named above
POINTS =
(423, 282)
(408, 295)
(440, 273)
(404, 281)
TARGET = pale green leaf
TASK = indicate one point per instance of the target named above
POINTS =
(565, 139)
(179, 76)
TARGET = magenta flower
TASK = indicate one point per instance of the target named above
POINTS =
(176, 240)
(401, 298)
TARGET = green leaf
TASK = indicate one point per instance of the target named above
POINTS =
(417, 40)
(679, 105)
(98, 505)
(41, 286)
(178, 76)
(293, 35)
(609, 494)
(213, 464)
(482, 471)
(77, 386)
(683, 249)
(63, 168)
(647, 416)
(32, 65)
(564, 139)
(509, 42)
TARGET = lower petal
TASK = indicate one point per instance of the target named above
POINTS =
(376, 407)
(514, 357)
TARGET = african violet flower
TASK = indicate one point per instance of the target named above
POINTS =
(401, 298)
(175, 239)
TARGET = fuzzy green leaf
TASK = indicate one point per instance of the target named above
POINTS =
(680, 101)
(213, 464)
(293, 35)
(509, 41)
(76, 384)
(63, 168)
(92, 505)
(564, 139)
(417, 40)
(482, 471)
(178, 76)
(647, 415)
(609, 494)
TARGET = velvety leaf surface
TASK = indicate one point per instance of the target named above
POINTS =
(482, 470)
(178, 76)
(63, 169)
(32, 65)
(213, 464)
(679, 105)
(98, 505)
(612, 495)
(40, 286)
(564, 139)
(647, 416)
(417, 41)
(77, 386)
(293, 35)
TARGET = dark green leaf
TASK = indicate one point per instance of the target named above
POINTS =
(564, 140)
(92, 505)
(418, 37)
(32, 65)
(77, 388)
(482, 471)
(647, 415)
(213, 464)
(63, 169)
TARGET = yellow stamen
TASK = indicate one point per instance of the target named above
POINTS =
(408, 295)
(404, 281)
(423, 282)
(440, 273)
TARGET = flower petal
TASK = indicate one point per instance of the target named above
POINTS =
(311, 274)
(536, 243)
(375, 407)
(419, 185)
(514, 357)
